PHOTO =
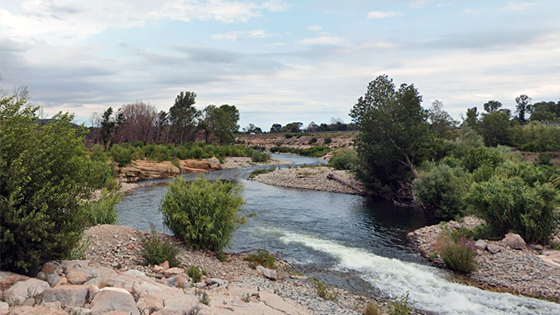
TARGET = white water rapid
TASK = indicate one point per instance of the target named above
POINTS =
(427, 286)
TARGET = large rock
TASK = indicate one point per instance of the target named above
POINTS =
(81, 275)
(493, 249)
(151, 303)
(7, 279)
(178, 282)
(269, 273)
(43, 310)
(23, 290)
(67, 295)
(4, 308)
(481, 244)
(514, 241)
(113, 299)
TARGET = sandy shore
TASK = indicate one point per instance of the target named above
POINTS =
(313, 178)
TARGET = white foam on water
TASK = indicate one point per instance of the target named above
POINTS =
(427, 286)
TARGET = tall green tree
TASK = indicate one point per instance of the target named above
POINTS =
(494, 128)
(183, 116)
(222, 122)
(394, 136)
(276, 128)
(440, 121)
(523, 107)
(492, 106)
(46, 176)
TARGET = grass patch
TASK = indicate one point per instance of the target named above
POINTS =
(194, 273)
(324, 290)
(372, 309)
(156, 250)
(401, 306)
(255, 173)
(457, 252)
(263, 258)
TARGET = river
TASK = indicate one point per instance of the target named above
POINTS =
(345, 240)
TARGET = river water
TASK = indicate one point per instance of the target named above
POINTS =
(345, 240)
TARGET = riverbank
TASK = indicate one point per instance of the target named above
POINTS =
(320, 178)
(114, 277)
(529, 270)
(242, 162)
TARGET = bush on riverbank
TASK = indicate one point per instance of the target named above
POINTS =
(457, 252)
(344, 159)
(204, 214)
(103, 210)
(157, 250)
(316, 151)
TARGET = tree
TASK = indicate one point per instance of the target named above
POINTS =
(472, 118)
(252, 129)
(494, 128)
(394, 136)
(492, 106)
(523, 107)
(294, 127)
(545, 111)
(108, 125)
(46, 176)
(312, 127)
(183, 116)
(276, 128)
(139, 120)
(162, 125)
(222, 122)
(440, 121)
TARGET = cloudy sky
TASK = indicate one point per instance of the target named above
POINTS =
(278, 61)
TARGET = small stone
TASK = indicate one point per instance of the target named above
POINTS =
(131, 246)
(216, 281)
(173, 271)
(493, 249)
(4, 308)
(481, 244)
(164, 265)
(268, 273)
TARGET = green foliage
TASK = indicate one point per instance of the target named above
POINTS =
(221, 256)
(443, 190)
(394, 136)
(194, 273)
(316, 151)
(401, 306)
(102, 211)
(204, 214)
(515, 205)
(263, 258)
(536, 137)
(260, 157)
(46, 174)
(494, 128)
(324, 290)
(344, 159)
(476, 157)
(457, 252)
(328, 140)
(157, 250)
(544, 159)
(257, 172)
(222, 122)
(313, 140)
(79, 252)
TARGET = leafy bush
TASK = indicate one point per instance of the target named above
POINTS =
(157, 250)
(458, 254)
(313, 140)
(476, 157)
(443, 190)
(260, 157)
(102, 211)
(317, 151)
(401, 306)
(328, 140)
(263, 258)
(46, 174)
(513, 205)
(544, 158)
(344, 159)
(194, 273)
(324, 290)
(204, 214)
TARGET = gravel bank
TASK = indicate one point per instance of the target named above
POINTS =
(313, 178)
(240, 162)
(500, 267)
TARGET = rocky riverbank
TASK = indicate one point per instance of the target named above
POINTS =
(241, 162)
(114, 279)
(319, 178)
(506, 265)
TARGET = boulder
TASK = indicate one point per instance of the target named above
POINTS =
(113, 299)
(149, 302)
(4, 308)
(7, 279)
(493, 249)
(481, 244)
(23, 290)
(268, 273)
(178, 282)
(43, 310)
(67, 295)
(215, 282)
(173, 271)
(136, 273)
(514, 241)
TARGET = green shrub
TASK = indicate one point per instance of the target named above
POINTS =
(260, 157)
(458, 254)
(102, 211)
(45, 176)
(443, 190)
(204, 214)
(257, 172)
(121, 155)
(401, 306)
(263, 258)
(157, 250)
(344, 159)
(513, 205)
(328, 140)
(324, 290)
(194, 273)
(476, 157)
(544, 158)
(313, 140)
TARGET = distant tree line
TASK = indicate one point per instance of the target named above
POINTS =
(141, 122)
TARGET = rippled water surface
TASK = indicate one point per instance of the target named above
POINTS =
(346, 240)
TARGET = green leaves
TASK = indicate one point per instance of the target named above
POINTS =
(202, 213)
